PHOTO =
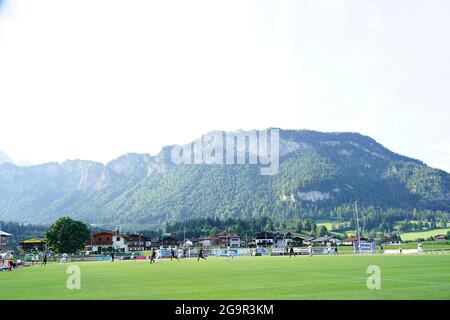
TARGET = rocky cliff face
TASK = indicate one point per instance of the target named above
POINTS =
(317, 171)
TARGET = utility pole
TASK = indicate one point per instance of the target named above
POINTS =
(357, 227)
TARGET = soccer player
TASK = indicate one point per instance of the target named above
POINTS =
(419, 248)
(153, 256)
(172, 255)
(158, 255)
(63, 259)
(180, 253)
(329, 247)
(44, 262)
(229, 253)
(200, 254)
(113, 255)
(310, 250)
(291, 252)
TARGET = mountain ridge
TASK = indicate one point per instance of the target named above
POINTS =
(318, 172)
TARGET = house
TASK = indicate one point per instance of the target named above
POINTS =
(138, 242)
(33, 244)
(187, 243)
(350, 240)
(3, 239)
(107, 241)
(264, 239)
(282, 239)
(393, 239)
(229, 239)
(209, 241)
(325, 240)
(308, 241)
(165, 241)
(297, 240)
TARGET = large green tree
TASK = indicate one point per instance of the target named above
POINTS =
(67, 235)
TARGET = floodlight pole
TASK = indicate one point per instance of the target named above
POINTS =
(357, 228)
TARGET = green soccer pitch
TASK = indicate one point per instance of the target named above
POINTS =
(303, 277)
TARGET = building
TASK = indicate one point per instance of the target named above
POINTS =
(309, 240)
(138, 242)
(107, 241)
(440, 237)
(282, 239)
(324, 240)
(187, 243)
(209, 241)
(229, 239)
(33, 244)
(4, 239)
(297, 240)
(351, 240)
(165, 241)
(264, 239)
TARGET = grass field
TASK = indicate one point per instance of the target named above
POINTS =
(317, 277)
(422, 234)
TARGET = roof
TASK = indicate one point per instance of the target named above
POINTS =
(33, 240)
(101, 232)
(322, 239)
(5, 234)
(115, 234)
(351, 239)
(283, 234)
(265, 235)
(228, 234)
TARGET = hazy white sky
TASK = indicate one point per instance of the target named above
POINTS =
(94, 79)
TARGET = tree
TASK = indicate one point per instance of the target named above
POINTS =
(313, 227)
(67, 235)
(299, 227)
(322, 231)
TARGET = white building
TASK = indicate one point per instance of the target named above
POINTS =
(3, 239)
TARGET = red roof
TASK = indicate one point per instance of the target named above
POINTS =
(351, 239)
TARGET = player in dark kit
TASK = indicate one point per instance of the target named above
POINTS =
(200, 254)
(113, 255)
(291, 252)
(172, 252)
(153, 256)
(44, 262)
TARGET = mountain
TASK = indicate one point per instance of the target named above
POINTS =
(320, 175)
(4, 158)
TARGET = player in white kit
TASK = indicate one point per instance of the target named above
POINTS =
(63, 259)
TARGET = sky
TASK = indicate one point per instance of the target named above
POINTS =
(95, 79)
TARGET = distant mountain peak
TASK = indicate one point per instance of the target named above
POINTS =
(318, 172)
(4, 158)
